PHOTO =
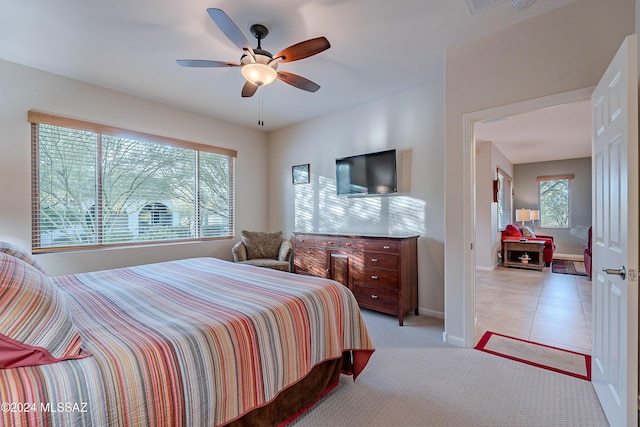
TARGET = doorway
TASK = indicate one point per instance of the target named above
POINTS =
(469, 203)
(540, 306)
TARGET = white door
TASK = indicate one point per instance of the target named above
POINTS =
(615, 237)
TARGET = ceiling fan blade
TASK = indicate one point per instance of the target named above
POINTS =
(248, 90)
(204, 63)
(304, 49)
(230, 29)
(298, 81)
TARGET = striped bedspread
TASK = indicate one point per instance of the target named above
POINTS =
(195, 342)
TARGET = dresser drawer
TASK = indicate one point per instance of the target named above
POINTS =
(353, 244)
(377, 278)
(384, 300)
(379, 260)
(310, 241)
(319, 241)
(312, 267)
(381, 246)
(310, 252)
(344, 244)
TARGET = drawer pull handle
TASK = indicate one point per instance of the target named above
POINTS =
(374, 277)
(374, 296)
(386, 247)
(347, 244)
(308, 252)
(329, 243)
(374, 259)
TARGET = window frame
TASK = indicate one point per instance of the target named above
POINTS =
(37, 118)
(569, 178)
(505, 194)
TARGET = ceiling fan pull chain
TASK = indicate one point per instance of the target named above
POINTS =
(260, 110)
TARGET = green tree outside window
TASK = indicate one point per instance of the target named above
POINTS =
(554, 195)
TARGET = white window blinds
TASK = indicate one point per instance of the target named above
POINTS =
(505, 197)
(96, 186)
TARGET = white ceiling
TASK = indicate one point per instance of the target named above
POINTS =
(556, 133)
(379, 47)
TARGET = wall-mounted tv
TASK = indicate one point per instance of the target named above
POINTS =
(371, 173)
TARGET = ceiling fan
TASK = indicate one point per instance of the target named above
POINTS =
(260, 67)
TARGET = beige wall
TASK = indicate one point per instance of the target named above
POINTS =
(486, 209)
(23, 88)
(487, 237)
(412, 123)
(567, 241)
(564, 50)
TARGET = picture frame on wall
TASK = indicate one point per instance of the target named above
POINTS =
(300, 174)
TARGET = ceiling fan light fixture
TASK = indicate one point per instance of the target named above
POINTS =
(258, 74)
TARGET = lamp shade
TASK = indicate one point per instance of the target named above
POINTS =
(258, 74)
(535, 214)
(523, 215)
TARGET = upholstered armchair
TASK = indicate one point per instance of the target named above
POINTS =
(263, 249)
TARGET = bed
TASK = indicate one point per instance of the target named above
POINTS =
(195, 342)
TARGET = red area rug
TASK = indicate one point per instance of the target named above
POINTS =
(564, 266)
(543, 356)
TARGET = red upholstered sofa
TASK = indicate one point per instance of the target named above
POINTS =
(513, 231)
(587, 254)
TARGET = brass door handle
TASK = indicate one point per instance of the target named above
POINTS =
(622, 272)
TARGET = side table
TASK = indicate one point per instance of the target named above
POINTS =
(515, 249)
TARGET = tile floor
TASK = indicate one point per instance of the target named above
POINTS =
(540, 306)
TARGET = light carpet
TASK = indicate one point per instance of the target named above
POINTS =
(543, 356)
(415, 379)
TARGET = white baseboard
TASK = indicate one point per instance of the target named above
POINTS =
(431, 313)
(449, 339)
(483, 268)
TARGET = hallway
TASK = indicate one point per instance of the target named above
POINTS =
(540, 306)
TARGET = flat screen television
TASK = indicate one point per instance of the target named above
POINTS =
(371, 173)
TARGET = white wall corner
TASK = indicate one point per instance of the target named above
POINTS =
(453, 340)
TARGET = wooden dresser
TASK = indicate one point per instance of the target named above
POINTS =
(381, 271)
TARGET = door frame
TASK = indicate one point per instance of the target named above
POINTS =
(469, 185)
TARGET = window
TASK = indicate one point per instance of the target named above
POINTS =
(96, 186)
(504, 199)
(554, 196)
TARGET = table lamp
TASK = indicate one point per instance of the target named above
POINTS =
(523, 215)
(535, 216)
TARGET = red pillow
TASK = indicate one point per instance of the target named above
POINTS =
(512, 230)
